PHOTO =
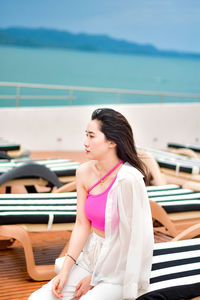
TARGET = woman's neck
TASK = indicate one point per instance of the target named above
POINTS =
(105, 165)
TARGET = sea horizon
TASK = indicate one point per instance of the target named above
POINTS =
(98, 69)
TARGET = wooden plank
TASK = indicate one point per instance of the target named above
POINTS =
(14, 280)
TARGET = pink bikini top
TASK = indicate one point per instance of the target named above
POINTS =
(95, 205)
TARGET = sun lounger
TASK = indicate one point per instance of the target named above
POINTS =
(178, 169)
(173, 198)
(27, 172)
(155, 177)
(175, 271)
(176, 162)
(62, 167)
(15, 207)
(35, 212)
(12, 150)
(181, 206)
(30, 210)
(8, 146)
(38, 208)
(194, 147)
(3, 155)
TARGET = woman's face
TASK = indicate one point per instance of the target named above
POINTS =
(96, 144)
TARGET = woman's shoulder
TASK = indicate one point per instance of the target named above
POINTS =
(85, 168)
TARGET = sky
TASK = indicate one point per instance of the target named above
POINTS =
(166, 24)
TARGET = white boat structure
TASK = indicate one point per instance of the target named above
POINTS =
(62, 128)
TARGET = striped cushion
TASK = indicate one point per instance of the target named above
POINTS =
(8, 146)
(176, 162)
(62, 167)
(61, 207)
(175, 199)
(194, 147)
(40, 208)
(175, 271)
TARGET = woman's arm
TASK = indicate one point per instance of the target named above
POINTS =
(79, 234)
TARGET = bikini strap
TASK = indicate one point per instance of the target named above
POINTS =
(100, 180)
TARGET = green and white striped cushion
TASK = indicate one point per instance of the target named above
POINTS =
(62, 167)
(176, 162)
(39, 207)
(175, 199)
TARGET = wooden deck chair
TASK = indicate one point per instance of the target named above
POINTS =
(61, 167)
(152, 167)
(5, 145)
(12, 150)
(175, 271)
(4, 155)
(194, 147)
(35, 212)
(46, 209)
(166, 226)
(36, 272)
(183, 151)
(176, 168)
(26, 172)
(182, 206)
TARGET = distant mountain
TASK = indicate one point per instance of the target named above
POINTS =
(50, 38)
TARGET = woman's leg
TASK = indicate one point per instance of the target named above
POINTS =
(104, 291)
(76, 274)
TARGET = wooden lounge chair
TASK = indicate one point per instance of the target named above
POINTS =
(8, 146)
(175, 271)
(47, 209)
(38, 212)
(12, 150)
(62, 167)
(182, 206)
(35, 212)
(183, 151)
(168, 227)
(178, 169)
(193, 147)
(156, 177)
(27, 172)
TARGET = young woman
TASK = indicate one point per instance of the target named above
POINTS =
(110, 251)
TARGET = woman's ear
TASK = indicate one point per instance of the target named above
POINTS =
(112, 144)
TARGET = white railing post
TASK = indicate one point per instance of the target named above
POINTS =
(118, 98)
(70, 97)
(18, 96)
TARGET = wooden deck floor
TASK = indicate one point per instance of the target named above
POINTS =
(15, 283)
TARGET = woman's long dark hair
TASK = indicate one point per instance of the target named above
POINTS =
(117, 129)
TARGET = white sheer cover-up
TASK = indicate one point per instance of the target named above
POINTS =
(126, 255)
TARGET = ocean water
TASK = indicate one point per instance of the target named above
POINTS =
(90, 69)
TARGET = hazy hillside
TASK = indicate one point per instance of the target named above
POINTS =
(40, 37)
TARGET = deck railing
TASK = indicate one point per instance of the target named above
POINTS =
(122, 96)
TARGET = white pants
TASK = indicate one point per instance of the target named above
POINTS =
(85, 267)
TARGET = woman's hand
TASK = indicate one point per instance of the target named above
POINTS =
(83, 287)
(58, 284)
